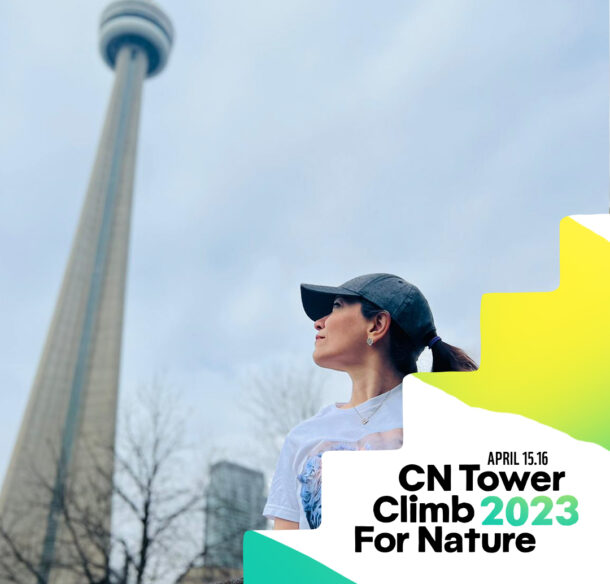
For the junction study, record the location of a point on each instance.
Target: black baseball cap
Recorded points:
(406, 304)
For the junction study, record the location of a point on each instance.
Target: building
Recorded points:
(234, 503)
(212, 575)
(68, 428)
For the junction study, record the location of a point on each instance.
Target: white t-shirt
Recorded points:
(295, 490)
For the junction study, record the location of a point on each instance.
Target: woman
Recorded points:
(373, 327)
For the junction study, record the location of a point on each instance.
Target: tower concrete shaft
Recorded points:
(66, 440)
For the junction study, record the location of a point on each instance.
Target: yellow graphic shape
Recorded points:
(546, 355)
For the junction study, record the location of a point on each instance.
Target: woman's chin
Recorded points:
(327, 362)
(320, 360)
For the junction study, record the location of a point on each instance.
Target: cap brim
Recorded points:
(318, 300)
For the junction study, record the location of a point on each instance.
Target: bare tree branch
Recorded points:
(275, 401)
(156, 507)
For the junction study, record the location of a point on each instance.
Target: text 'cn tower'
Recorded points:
(64, 450)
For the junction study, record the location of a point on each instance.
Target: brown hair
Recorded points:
(404, 352)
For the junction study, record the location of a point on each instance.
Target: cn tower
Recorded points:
(68, 428)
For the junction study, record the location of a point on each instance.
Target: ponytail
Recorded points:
(446, 357)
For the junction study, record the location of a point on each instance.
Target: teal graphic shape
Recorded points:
(268, 562)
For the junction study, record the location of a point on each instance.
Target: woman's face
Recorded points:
(341, 336)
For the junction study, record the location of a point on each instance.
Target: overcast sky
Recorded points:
(297, 141)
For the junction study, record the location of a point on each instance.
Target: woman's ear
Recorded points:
(380, 325)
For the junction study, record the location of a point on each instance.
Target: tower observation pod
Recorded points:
(136, 23)
(63, 454)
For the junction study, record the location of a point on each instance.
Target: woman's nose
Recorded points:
(319, 324)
